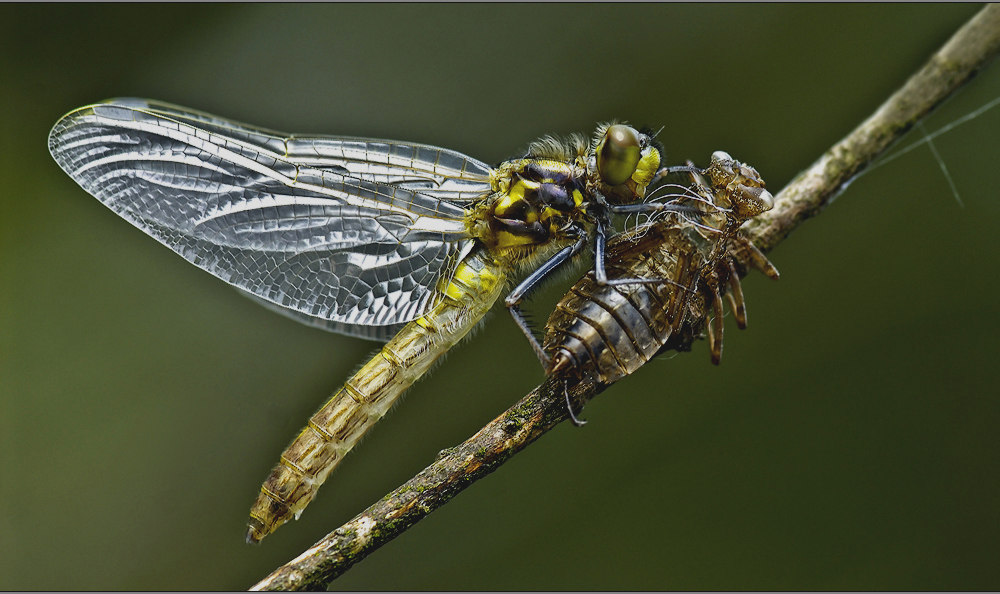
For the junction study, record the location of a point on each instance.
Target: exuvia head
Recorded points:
(740, 183)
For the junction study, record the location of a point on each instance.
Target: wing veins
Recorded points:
(235, 231)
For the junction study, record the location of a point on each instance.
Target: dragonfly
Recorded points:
(606, 330)
(377, 239)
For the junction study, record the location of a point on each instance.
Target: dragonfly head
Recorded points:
(626, 160)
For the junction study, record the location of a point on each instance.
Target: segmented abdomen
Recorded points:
(336, 428)
(609, 331)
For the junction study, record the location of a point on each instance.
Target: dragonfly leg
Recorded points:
(599, 246)
(601, 273)
(525, 327)
(569, 407)
(650, 208)
(665, 171)
(514, 299)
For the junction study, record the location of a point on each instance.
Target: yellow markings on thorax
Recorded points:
(513, 198)
(550, 212)
(553, 165)
(506, 239)
(504, 175)
(516, 199)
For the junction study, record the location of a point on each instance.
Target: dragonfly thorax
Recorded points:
(548, 195)
(534, 201)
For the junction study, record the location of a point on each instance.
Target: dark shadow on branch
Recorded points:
(970, 50)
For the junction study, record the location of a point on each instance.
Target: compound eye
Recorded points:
(618, 154)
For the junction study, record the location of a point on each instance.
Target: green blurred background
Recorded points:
(848, 440)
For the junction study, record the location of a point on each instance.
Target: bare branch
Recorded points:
(970, 50)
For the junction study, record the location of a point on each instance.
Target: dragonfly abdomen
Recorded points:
(337, 427)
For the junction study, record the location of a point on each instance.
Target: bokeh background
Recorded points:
(849, 440)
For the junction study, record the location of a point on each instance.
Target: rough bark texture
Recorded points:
(970, 50)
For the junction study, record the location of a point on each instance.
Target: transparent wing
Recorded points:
(376, 333)
(304, 223)
(433, 171)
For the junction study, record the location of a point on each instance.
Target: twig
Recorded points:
(970, 50)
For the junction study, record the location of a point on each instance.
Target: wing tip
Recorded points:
(114, 108)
